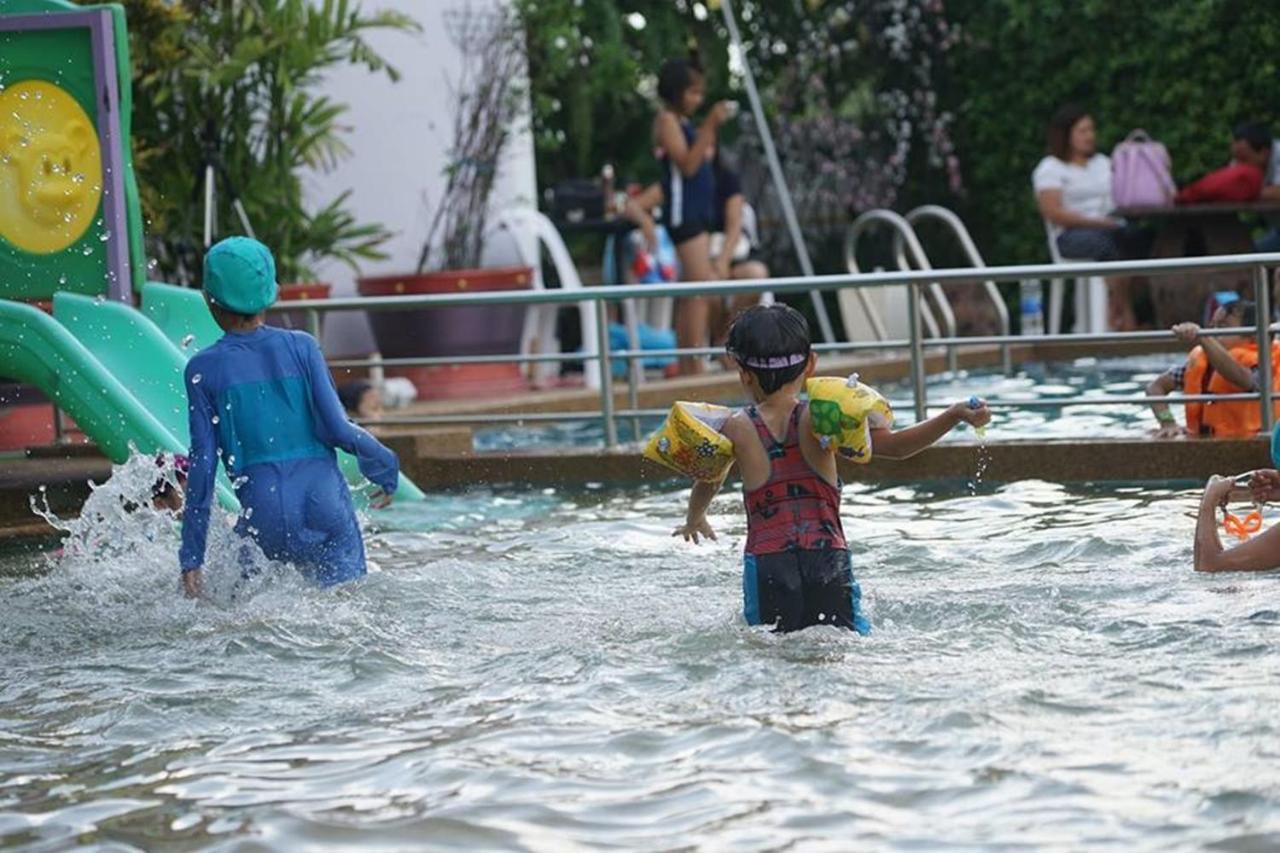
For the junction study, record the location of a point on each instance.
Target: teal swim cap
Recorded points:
(240, 275)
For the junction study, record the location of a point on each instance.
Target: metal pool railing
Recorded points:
(916, 343)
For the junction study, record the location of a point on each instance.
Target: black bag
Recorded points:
(575, 200)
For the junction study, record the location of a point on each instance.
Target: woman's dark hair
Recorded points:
(675, 76)
(770, 333)
(1058, 135)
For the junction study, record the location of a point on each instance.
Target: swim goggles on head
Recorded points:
(772, 362)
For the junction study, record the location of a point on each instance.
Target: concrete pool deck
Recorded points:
(435, 466)
(1057, 460)
(442, 457)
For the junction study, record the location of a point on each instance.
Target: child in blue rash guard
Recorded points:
(263, 401)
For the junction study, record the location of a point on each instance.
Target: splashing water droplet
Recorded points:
(195, 380)
(215, 420)
(186, 342)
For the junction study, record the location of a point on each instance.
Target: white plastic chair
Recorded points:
(1091, 295)
(540, 320)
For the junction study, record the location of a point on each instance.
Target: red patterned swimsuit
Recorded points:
(797, 569)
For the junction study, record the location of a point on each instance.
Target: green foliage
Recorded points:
(1184, 70)
(593, 73)
(848, 88)
(250, 70)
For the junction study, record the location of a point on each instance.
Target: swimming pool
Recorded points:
(1082, 380)
(548, 670)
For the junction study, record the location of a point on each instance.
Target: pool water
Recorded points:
(548, 671)
(1082, 381)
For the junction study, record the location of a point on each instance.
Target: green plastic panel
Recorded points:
(57, 217)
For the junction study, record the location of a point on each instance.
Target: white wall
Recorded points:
(399, 136)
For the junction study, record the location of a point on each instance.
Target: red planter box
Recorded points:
(459, 331)
(301, 292)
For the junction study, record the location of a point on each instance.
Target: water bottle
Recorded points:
(1029, 295)
(975, 403)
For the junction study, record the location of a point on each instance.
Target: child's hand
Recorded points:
(974, 415)
(193, 583)
(379, 499)
(691, 530)
(1218, 489)
(1188, 333)
(1265, 484)
(1171, 431)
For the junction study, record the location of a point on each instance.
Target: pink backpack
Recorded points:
(1141, 173)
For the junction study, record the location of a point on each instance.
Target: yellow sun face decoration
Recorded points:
(50, 168)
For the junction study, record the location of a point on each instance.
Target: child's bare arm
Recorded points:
(904, 443)
(695, 521)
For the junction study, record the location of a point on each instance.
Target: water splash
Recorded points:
(124, 546)
(984, 453)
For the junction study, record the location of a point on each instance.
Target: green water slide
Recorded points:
(137, 354)
(37, 349)
(181, 316)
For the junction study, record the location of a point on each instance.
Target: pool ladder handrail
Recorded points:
(907, 234)
(956, 226)
(907, 249)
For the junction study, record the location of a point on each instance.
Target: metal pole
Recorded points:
(59, 426)
(1262, 301)
(208, 205)
(775, 169)
(917, 353)
(313, 323)
(606, 375)
(635, 366)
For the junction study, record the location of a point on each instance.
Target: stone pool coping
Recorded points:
(433, 467)
(1056, 460)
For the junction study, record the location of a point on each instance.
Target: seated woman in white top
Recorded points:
(1073, 192)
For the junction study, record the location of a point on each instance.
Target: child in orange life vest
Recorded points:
(797, 567)
(1217, 365)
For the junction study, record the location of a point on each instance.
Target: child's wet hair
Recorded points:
(675, 76)
(1246, 310)
(772, 343)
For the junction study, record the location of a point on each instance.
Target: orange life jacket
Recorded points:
(1230, 418)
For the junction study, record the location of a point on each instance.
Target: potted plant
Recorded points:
(488, 100)
(237, 83)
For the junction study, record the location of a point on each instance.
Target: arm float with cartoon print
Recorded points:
(843, 413)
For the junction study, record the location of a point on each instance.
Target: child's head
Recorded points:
(239, 282)
(361, 399)
(167, 491)
(1233, 313)
(681, 85)
(770, 343)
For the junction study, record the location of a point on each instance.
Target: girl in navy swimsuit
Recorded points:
(685, 154)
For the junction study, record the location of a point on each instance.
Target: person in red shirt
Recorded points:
(1242, 179)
